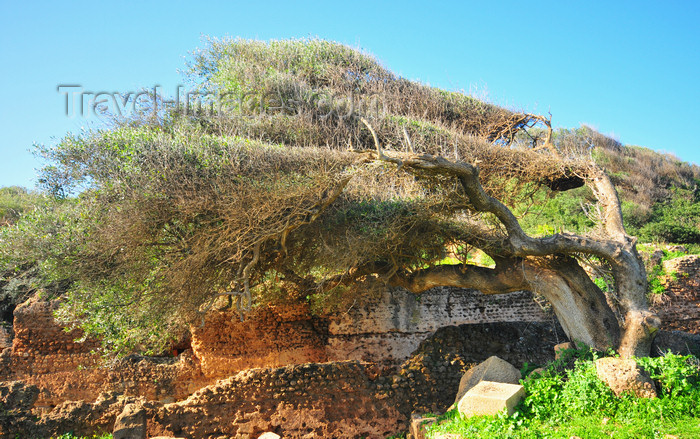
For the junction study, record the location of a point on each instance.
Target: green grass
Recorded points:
(568, 399)
(657, 275)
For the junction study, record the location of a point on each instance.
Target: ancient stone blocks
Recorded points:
(489, 398)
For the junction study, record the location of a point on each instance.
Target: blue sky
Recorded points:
(627, 68)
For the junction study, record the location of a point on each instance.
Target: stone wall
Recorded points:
(389, 329)
(347, 399)
(273, 336)
(44, 354)
(206, 393)
(679, 307)
(385, 332)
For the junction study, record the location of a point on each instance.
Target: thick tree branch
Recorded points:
(505, 278)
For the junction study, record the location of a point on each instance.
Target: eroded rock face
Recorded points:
(16, 395)
(79, 417)
(624, 376)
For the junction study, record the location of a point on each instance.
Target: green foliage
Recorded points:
(561, 403)
(657, 277)
(676, 220)
(34, 247)
(677, 375)
(15, 201)
(154, 220)
(163, 217)
(549, 213)
(602, 284)
(658, 192)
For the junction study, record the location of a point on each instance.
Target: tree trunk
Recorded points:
(578, 303)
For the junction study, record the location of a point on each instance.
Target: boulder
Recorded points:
(269, 435)
(624, 375)
(492, 369)
(490, 398)
(131, 423)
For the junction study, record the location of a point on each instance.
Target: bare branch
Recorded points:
(409, 144)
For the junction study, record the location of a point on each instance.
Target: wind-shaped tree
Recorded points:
(307, 171)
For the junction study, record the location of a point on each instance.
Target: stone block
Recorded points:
(492, 369)
(489, 398)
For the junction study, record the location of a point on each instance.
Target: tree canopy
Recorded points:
(306, 171)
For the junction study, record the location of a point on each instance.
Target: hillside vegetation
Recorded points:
(659, 192)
